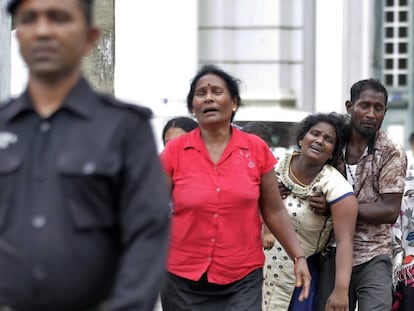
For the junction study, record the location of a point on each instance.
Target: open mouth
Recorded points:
(317, 149)
(369, 124)
(209, 110)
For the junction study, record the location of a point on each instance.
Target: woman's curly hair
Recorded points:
(339, 121)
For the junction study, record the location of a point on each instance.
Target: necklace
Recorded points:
(350, 173)
(295, 178)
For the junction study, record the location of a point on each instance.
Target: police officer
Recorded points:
(83, 206)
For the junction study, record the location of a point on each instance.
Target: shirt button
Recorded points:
(39, 272)
(215, 215)
(218, 189)
(209, 258)
(44, 126)
(39, 221)
(88, 168)
(213, 240)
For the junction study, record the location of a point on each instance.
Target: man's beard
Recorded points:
(366, 132)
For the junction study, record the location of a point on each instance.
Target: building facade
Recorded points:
(296, 55)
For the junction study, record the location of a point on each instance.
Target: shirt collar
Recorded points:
(78, 101)
(18, 106)
(194, 140)
(365, 153)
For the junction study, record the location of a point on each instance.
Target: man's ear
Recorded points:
(348, 106)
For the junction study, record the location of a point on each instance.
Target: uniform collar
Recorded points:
(79, 101)
(18, 106)
(81, 98)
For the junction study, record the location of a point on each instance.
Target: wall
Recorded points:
(5, 38)
(99, 66)
(260, 42)
(156, 55)
(329, 50)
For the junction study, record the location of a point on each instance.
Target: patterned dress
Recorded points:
(312, 230)
(403, 247)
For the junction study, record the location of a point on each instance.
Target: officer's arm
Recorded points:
(144, 224)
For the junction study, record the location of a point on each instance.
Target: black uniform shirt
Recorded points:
(83, 205)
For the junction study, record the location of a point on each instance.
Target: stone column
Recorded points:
(99, 66)
(5, 39)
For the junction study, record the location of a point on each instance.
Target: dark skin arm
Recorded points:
(268, 239)
(277, 219)
(385, 211)
(169, 182)
(344, 216)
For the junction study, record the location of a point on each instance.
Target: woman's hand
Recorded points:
(337, 301)
(303, 278)
(268, 239)
(284, 192)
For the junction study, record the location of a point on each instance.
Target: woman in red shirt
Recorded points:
(219, 177)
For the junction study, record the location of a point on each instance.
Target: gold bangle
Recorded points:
(295, 260)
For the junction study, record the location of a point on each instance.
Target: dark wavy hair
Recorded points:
(232, 83)
(338, 121)
(184, 123)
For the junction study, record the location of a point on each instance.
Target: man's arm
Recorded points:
(144, 223)
(385, 211)
(391, 188)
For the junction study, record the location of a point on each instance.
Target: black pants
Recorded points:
(179, 294)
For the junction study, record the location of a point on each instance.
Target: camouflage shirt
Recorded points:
(380, 170)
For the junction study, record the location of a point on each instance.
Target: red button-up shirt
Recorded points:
(215, 224)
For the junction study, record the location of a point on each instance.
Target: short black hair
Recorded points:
(338, 121)
(233, 85)
(87, 5)
(367, 84)
(260, 130)
(184, 123)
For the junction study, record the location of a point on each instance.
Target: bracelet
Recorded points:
(295, 260)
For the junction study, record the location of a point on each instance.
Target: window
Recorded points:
(396, 36)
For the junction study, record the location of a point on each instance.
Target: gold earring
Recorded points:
(234, 109)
